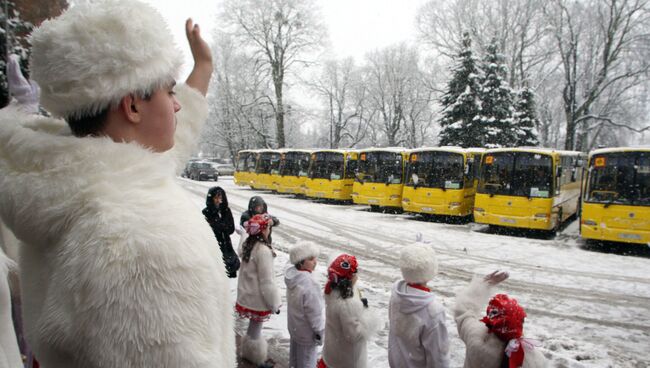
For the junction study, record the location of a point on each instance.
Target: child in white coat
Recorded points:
(257, 294)
(348, 321)
(418, 335)
(305, 304)
(495, 340)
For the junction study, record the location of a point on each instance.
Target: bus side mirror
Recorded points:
(574, 171)
(580, 163)
(558, 173)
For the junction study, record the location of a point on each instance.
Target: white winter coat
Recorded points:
(256, 287)
(118, 267)
(483, 349)
(9, 351)
(305, 306)
(348, 326)
(418, 335)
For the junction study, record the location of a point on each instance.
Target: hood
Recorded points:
(293, 277)
(254, 202)
(45, 172)
(209, 203)
(411, 300)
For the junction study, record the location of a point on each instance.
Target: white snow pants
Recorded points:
(301, 356)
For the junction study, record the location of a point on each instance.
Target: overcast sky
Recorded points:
(355, 26)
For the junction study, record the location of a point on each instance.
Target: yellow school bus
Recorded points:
(616, 200)
(267, 165)
(245, 167)
(441, 181)
(379, 179)
(294, 169)
(531, 188)
(331, 174)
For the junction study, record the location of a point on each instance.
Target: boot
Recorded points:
(255, 351)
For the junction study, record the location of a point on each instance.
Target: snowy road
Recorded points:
(590, 309)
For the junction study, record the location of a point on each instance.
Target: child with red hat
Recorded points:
(257, 294)
(496, 338)
(348, 321)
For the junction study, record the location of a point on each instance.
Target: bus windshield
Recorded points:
(380, 167)
(269, 163)
(326, 165)
(246, 162)
(295, 164)
(522, 174)
(620, 178)
(436, 170)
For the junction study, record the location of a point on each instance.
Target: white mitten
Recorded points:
(27, 93)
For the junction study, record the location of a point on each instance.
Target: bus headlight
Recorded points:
(541, 215)
(405, 200)
(478, 209)
(589, 222)
(454, 204)
(394, 196)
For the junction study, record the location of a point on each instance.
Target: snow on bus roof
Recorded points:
(535, 150)
(619, 149)
(444, 149)
(384, 149)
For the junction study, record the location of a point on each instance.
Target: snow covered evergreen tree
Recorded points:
(18, 42)
(525, 118)
(496, 98)
(461, 103)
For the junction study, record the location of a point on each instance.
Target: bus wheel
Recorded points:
(374, 208)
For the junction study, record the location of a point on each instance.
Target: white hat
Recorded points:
(94, 54)
(302, 251)
(418, 263)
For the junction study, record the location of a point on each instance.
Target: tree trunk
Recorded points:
(279, 115)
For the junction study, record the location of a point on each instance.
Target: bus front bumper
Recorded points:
(532, 222)
(444, 209)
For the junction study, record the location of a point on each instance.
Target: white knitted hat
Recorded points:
(418, 263)
(302, 251)
(94, 54)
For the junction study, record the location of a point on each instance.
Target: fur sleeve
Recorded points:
(468, 309)
(266, 277)
(190, 120)
(358, 322)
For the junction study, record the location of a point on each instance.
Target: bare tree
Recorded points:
(597, 42)
(279, 33)
(392, 72)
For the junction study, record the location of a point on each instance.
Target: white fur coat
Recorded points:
(9, 352)
(256, 285)
(118, 267)
(483, 349)
(348, 327)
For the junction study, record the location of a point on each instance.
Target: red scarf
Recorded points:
(419, 287)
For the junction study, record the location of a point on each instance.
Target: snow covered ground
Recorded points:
(588, 308)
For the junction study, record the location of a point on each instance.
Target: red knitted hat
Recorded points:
(343, 267)
(505, 317)
(257, 224)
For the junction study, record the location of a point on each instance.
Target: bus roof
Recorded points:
(454, 149)
(619, 149)
(535, 150)
(287, 150)
(385, 149)
(342, 151)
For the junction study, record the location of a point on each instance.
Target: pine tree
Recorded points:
(18, 44)
(496, 98)
(525, 118)
(461, 104)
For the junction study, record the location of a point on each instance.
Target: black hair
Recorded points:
(249, 244)
(344, 286)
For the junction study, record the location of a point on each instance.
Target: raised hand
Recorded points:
(199, 78)
(496, 277)
(27, 93)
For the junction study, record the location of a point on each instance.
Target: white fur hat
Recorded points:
(302, 251)
(94, 54)
(418, 263)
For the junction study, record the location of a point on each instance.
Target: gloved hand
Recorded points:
(365, 302)
(318, 338)
(277, 311)
(27, 93)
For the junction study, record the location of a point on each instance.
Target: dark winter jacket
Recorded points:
(222, 224)
(254, 202)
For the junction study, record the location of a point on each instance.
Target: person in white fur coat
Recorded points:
(349, 323)
(305, 319)
(494, 339)
(257, 294)
(417, 335)
(117, 267)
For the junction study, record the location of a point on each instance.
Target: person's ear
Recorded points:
(130, 106)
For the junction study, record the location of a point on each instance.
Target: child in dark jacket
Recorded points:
(218, 215)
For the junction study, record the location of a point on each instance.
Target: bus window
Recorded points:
(619, 178)
(295, 164)
(351, 168)
(380, 167)
(518, 174)
(326, 165)
(437, 170)
(274, 165)
(249, 162)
